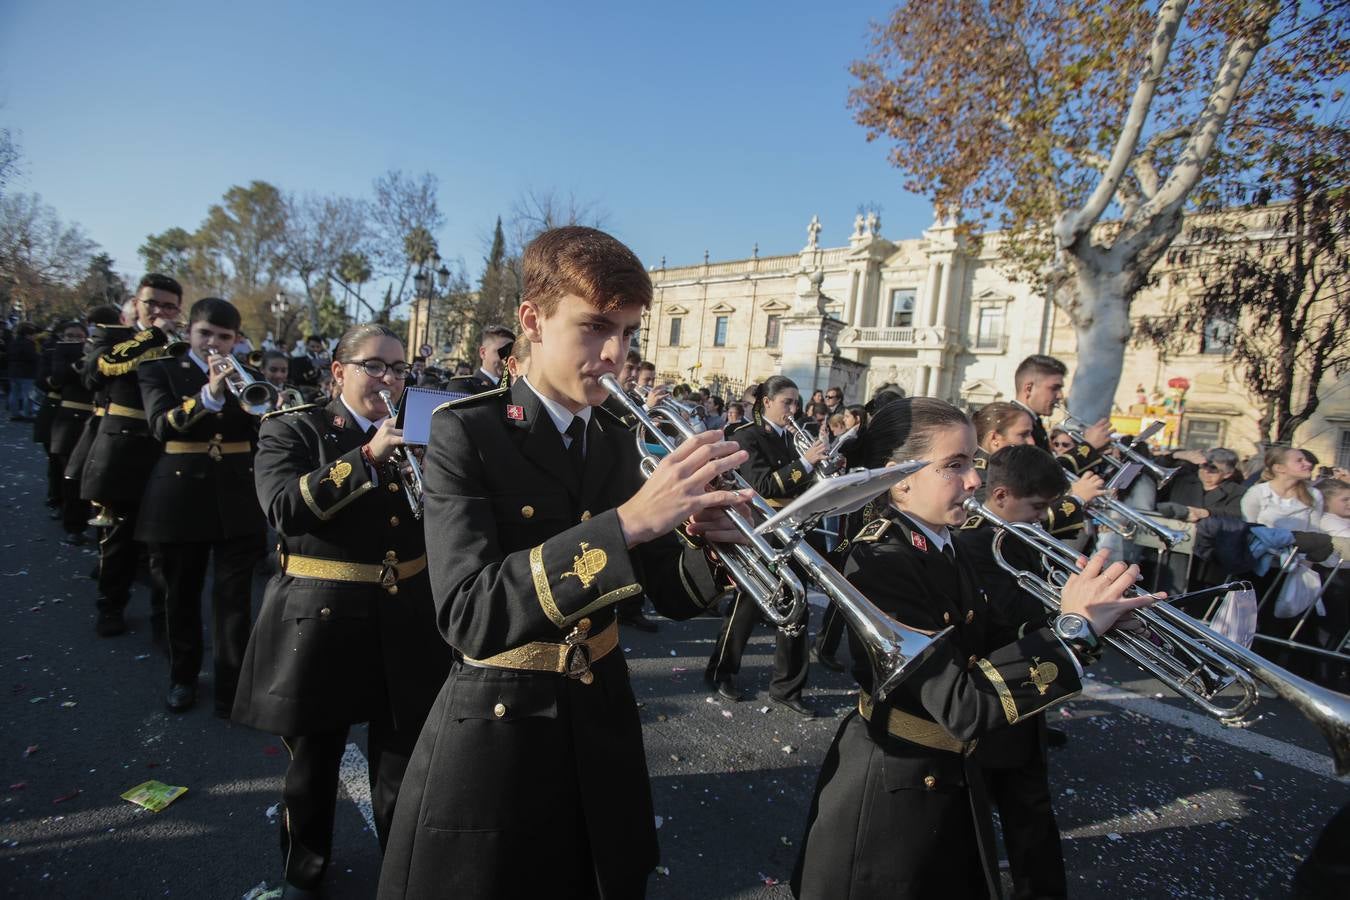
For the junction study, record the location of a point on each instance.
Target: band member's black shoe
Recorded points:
(110, 624)
(796, 706)
(181, 697)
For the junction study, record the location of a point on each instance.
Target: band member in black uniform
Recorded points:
(999, 425)
(75, 406)
(899, 810)
(494, 345)
(304, 369)
(1039, 382)
(99, 318)
(199, 505)
(47, 344)
(347, 631)
(529, 777)
(123, 452)
(776, 471)
(1023, 483)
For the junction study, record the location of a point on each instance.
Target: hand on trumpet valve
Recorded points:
(656, 395)
(385, 441)
(681, 488)
(1088, 487)
(1097, 592)
(1098, 434)
(816, 452)
(217, 375)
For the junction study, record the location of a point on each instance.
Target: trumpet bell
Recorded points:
(102, 518)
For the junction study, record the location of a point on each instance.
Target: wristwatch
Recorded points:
(1075, 631)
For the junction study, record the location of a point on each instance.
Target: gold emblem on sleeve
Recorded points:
(1042, 674)
(586, 566)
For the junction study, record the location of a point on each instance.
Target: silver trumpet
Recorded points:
(409, 471)
(802, 441)
(1185, 654)
(1124, 444)
(761, 569)
(1127, 521)
(256, 397)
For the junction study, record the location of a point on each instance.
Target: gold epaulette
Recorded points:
(465, 401)
(972, 522)
(872, 531)
(289, 409)
(981, 463)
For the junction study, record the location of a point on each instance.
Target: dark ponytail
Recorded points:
(771, 387)
(903, 429)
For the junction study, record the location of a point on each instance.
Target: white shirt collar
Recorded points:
(940, 539)
(201, 363)
(779, 430)
(1034, 415)
(561, 415)
(493, 378)
(360, 419)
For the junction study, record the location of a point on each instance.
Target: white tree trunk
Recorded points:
(1102, 326)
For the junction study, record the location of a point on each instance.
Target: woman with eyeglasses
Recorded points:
(347, 630)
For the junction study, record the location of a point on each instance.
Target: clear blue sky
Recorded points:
(695, 125)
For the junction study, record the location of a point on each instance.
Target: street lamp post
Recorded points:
(280, 306)
(430, 281)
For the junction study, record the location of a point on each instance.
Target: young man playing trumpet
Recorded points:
(529, 777)
(200, 505)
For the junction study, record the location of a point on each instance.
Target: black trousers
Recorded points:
(74, 511)
(789, 655)
(309, 794)
(831, 631)
(119, 555)
(1030, 833)
(56, 474)
(231, 606)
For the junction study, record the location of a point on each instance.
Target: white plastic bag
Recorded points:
(1299, 591)
(1235, 618)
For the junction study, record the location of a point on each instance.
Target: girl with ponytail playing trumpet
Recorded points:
(899, 809)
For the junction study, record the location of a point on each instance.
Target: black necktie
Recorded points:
(948, 552)
(370, 433)
(576, 450)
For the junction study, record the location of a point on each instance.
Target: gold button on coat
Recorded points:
(393, 520)
(929, 782)
(527, 511)
(499, 710)
(585, 516)
(946, 618)
(971, 663)
(325, 613)
(970, 616)
(393, 486)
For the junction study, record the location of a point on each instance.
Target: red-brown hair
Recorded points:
(586, 262)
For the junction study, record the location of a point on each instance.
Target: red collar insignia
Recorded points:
(919, 541)
(515, 412)
(339, 421)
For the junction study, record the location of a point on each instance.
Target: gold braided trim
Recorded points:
(541, 588)
(126, 412)
(914, 729)
(205, 447)
(604, 600)
(308, 497)
(543, 656)
(1004, 695)
(101, 411)
(71, 404)
(53, 395)
(338, 570)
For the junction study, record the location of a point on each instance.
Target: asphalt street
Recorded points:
(1152, 800)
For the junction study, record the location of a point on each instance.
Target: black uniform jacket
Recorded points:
(774, 469)
(123, 452)
(895, 817)
(206, 494)
(477, 383)
(1079, 460)
(1064, 518)
(51, 399)
(75, 405)
(1018, 611)
(325, 653)
(522, 779)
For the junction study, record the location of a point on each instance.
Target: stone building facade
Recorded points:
(934, 316)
